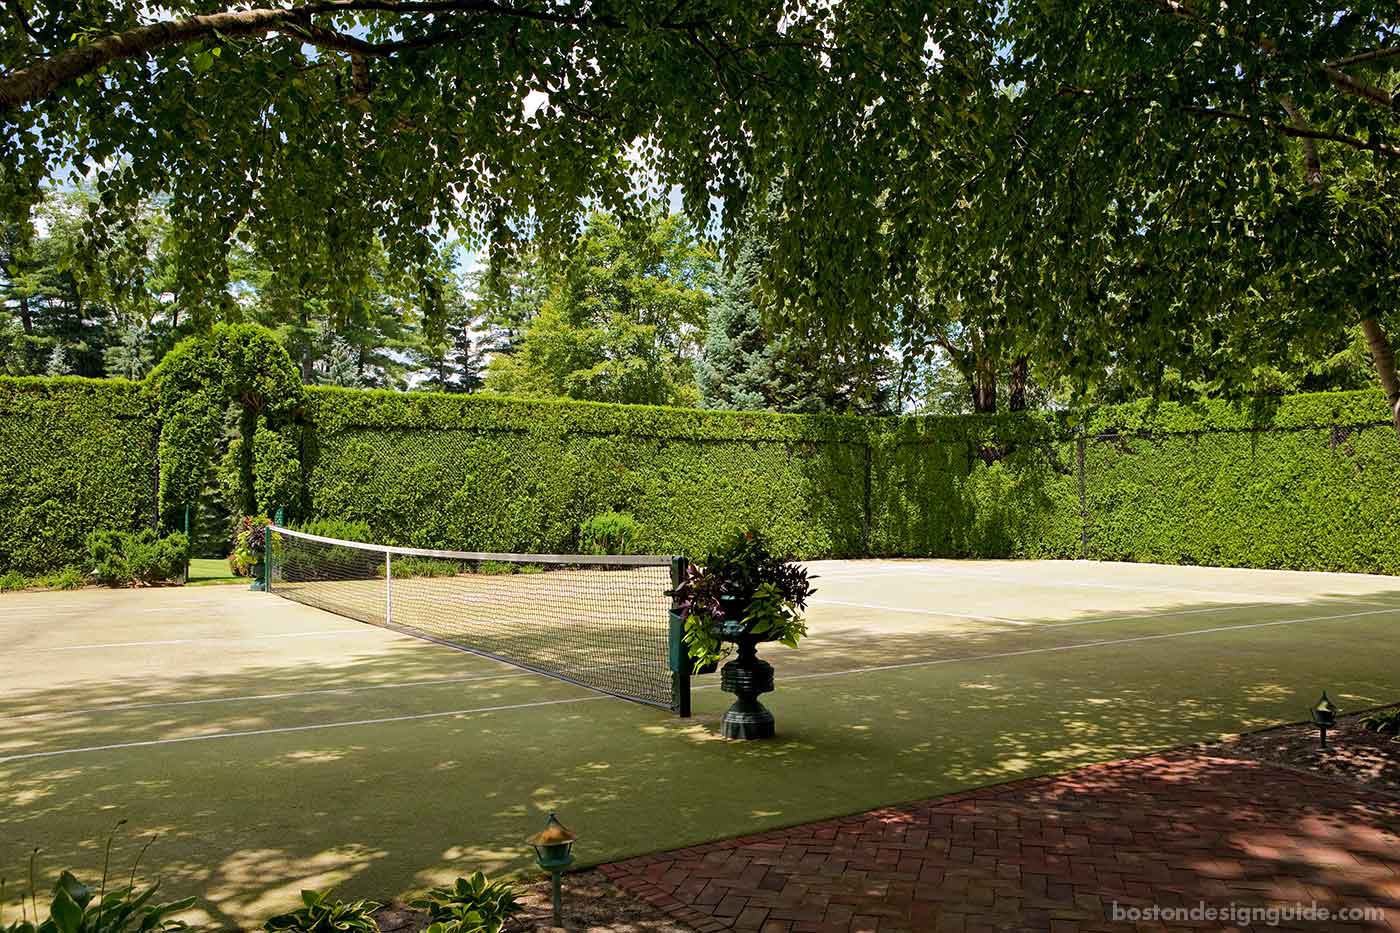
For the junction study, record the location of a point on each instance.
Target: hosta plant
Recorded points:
(319, 913)
(1386, 721)
(471, 904)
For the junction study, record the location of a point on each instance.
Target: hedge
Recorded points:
(1308, 483)
(521, 475)
(1301, 482)
(75, 455)
(977, 486)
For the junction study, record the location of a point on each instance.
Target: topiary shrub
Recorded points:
(608, 533)
(137, 558)
(193, 387)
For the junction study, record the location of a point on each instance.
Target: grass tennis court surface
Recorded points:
(275, 746)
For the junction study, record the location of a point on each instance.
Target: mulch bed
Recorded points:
(1353, 754)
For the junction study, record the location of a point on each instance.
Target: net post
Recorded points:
(388, 587)
(680, 656)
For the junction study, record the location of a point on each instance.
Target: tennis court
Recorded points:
(276, 746)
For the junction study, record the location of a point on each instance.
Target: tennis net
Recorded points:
(600, 622)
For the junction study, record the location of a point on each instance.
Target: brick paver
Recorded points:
(1177, 830)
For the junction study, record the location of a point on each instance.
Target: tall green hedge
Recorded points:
(1308, 483)
(984, 486)
(75, 455)
(1301, 482)
(516, 475)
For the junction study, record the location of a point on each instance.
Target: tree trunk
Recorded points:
(984, 386)
(1384, 356)
(26, 317)
(247, 428)
(1016, 394)
(308, 371)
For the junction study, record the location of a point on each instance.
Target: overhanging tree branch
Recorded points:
(1339, 79)
(40, 80)
(1299, 132)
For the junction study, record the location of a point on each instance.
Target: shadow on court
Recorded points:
(379, 764)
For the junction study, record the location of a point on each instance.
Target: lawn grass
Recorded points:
(205, 571)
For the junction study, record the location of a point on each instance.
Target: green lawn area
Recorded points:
(208, 570)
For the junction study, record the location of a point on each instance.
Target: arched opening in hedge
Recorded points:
(239, 368)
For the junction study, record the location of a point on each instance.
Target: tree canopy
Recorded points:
(1127, 191)
(620, 320)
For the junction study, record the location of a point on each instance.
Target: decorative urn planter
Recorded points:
(747, 677)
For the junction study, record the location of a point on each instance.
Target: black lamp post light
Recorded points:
(554, 852)
(1324, 714)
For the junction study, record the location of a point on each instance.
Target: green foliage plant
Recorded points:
(137, 558)
(1386, 722)
(249, 542)
(471, 904)
(320, 913)
(242, 365)
(741, 588)
(609, 533)
(78, 908)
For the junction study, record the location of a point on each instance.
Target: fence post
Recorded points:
(1080, 444)
(865, 515)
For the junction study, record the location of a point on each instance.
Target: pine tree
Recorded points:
(743, 364)
(340, 366)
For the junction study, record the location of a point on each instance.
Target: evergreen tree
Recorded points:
(747, 364)
(736, 369)
(58, 364)
(339, 366)
(132, 357)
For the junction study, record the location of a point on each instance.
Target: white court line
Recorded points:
(822, 601)
(1088, 644)
(148, 743)
(1070, 584)
(188, 641)
(1095, 620)
(253, 697)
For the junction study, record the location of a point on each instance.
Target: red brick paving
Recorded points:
(1052, 854)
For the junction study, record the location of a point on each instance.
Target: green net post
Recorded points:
(680, 656)
(188, 543)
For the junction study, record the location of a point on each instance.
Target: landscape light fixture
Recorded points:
(554, 851)
(1324, 714)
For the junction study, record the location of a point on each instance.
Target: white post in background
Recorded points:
(388, 588)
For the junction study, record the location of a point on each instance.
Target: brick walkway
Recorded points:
(1053, 854)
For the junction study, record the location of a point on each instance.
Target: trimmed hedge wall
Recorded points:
(520, 475)
(985, 486)
(75, 455)
(1306, 482)
(1204, 484)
